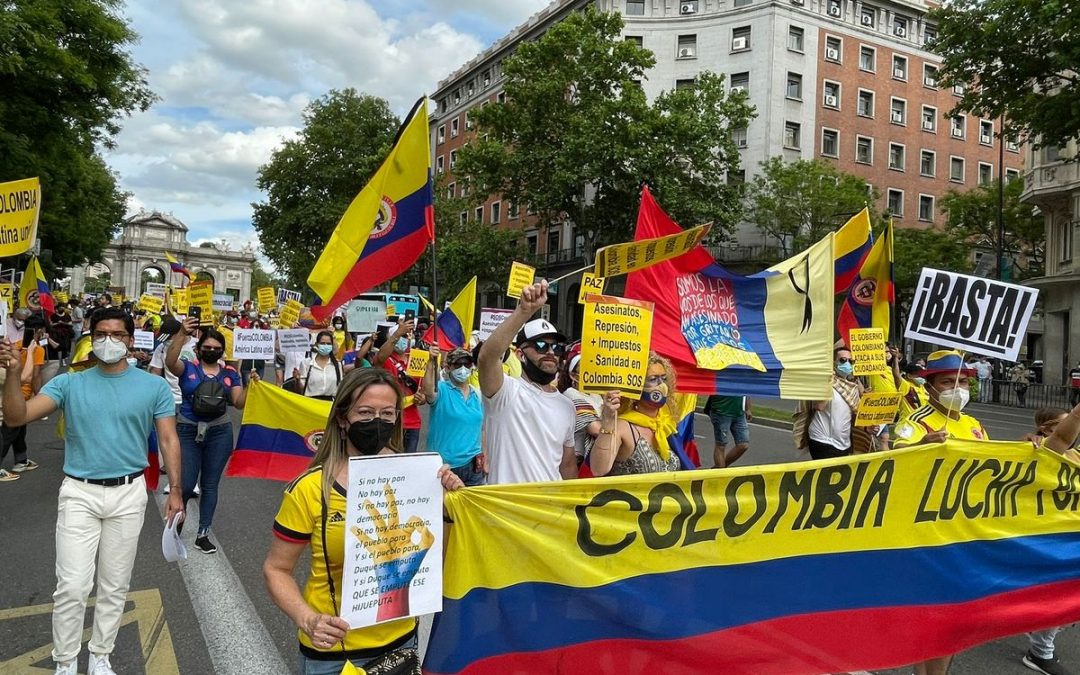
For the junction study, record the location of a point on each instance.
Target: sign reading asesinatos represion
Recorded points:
(615, 345)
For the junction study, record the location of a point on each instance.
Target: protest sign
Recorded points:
(227, 333)
(521, 275)
(201, 294)
(611, 261)
(7, 294)
(294, 339)
(393, 539)
(267, 299)
(253, 343)
(877, 407)
(289, 314)
(222, 302)
(20, 206)
(418, 361)
(62, 297)
(284, 295)
(151, 304)
(3, 312)
(144, 340)
(391, 309)
(615, 345)
(867, 347)
(363, 316)
(180, 300)
(155, 289)
(490, 319)
(971, 313)
(590, 284)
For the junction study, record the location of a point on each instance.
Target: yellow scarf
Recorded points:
(662, 426)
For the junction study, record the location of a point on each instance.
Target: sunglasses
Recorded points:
(844, 359)
(460, 362)
(545, 345)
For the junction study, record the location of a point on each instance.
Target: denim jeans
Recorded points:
(1042, 642)
(313, 667)
(469, 475)
(202, 463)
(411, 439)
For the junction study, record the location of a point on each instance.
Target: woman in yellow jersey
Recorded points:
(364, 420)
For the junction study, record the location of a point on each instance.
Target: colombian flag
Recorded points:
(176, 267)
(850, 247)
(869, 300)
(457, 321)
(386, 227)
(279, 434)
(34, 291)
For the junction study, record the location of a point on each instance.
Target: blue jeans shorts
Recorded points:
(735, 423)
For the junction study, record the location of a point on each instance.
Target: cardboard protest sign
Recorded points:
(363, 316)
(143, 340)
(201, 294)
(223, 302)
(877, 407)
(418, 362)
(252, 343)
(284, 295)
(227, 333)
(868, 351)
(180, 300)
(294, 339)
(289, 314)
(615, 345)
(973, 314)
(393, 539)
(157, 289)
(590, 285)
(521, 275)
(490, 319)
(20, 206)
(7, 294)
(611, 261)
(266, 298)
(151, 304)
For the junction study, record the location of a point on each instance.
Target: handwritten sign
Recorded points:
(20, 206)
(418, 363)
(290, 314)
(253, 343)
(490, 319)
(877, 407)
(143, 340)
(284, 295)
(267, 299)
(868, 351)
(619, 259)
(363, 316)
(201, 294)
(615, 345)
(180, 300)
(590, 285)
(294, 340)
(223, 302)
(157, 289)
(521, 276)
(151, 304)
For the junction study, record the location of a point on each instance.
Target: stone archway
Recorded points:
(203, 275)
(151, 274)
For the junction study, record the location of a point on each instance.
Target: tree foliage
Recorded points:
(914, 249)
(311, 180)
(972, 219)
(67, 80)
(1018, 60)
(798, 203)
(576, 136)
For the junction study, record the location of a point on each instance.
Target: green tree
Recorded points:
(576, 136)
(311, 180)
(798, 203)
(1017, 60)
(261, 277)
(914, 249)
(67, 79)
(466, 246)
(972, 218)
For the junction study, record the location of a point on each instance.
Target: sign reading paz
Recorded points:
(877, 407)
(970, 313)
(521, 275)
(868, 351)
(590, 284)
(615, 345)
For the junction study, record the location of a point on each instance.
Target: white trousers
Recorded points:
(94, 524)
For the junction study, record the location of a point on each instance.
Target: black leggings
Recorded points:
(825, 451)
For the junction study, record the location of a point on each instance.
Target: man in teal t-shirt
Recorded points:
(109, 411)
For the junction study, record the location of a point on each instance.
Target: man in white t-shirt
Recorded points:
(528, 424)
(830, 426)
(984, 370)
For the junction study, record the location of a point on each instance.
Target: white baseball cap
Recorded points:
(538, 328)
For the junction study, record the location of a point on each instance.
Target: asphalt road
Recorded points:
(211, 614)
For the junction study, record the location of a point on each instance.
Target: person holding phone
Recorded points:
(394, 356)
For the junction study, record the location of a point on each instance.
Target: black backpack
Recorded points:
(209, 400)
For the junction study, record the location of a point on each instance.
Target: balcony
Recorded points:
(737, 254)
(1048, 185)
(562, 257)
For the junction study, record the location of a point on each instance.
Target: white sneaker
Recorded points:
(99, 665)
(165, 491)
(69, 668)
(198, 490)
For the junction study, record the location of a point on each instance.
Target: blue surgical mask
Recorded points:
(845, 369)
(401, 346)
(461, 374)
(324, 350)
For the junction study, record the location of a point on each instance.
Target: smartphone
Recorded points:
(195, 312)
(410, 315)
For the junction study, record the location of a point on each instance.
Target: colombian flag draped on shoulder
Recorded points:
(869, 300)
(279, 434)
(386, 227)
(768, 334)
(796, 569)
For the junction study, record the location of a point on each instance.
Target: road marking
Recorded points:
(159, 657)
(236, 639)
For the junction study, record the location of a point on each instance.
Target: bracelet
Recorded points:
(608, 432)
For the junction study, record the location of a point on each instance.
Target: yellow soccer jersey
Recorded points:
(927, 419)
(299, 520)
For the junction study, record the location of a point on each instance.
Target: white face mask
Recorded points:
(461, 374)
(109, 350)
(954, 399)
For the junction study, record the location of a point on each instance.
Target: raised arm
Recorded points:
(404, 328)
(176, 345)
(489, 362)
(17, 410)
(431, 375)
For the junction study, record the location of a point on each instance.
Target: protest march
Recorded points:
(462, 482)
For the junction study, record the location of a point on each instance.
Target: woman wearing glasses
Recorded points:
(365, 419)
(634, 435)
(203, 424)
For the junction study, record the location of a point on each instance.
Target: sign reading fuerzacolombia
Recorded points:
(20, 206)
(971, 313)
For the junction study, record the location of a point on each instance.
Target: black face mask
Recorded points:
(535, 374)
(210, 355)
(370, 437)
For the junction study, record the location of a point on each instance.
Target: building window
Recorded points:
(929, 76)
(900, 27)
(738, 136)
(958, 90)
(868, 16)
(439, 164)
(463, 217)
(468, 122)
(956, 126)
(635, 7)
(742, 3)
(740, 38)
(530, 244)
(926, 208)
(685, 84)
(501, 97)
(896, 203)
(687, 46)
(453, 158)
(1051, 154)
(956, 169)
(479, 214)
(831, 95)
(864, 150)
(866, 103)
(740, 82)
(736, 177)
(791, 135)
(454, 130)
(795, 38)
(834, 49)
(898, 111)
(442, 105)
(487, 77)
(1011, 175)
(896, 156)
(867, 56)
(688, 7)
(830, 143)
(457, 96)
(835, 11)
(899, 67)
(986, 173)
(1012, 146)
(513, 212)
(451, 190)
(440, 135)
(929, 118)
(794, 86)
(928, 163)
(986, 132)
(553, 241)
(636, 39)
(1064, 232)
(929, 34)
(496, 213)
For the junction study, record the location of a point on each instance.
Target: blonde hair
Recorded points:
(655, 359)
(332, 454)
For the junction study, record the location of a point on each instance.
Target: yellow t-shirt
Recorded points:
(299, 521)
(927, 419)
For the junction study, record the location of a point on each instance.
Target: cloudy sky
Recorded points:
(234, 76)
